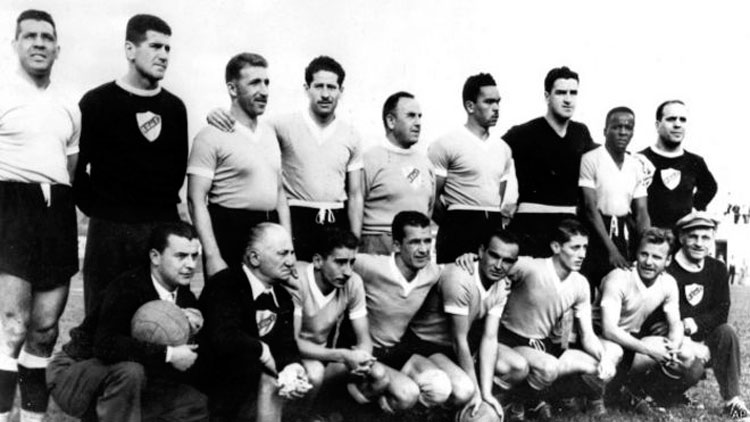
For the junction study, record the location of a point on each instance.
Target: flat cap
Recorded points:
(697, 219)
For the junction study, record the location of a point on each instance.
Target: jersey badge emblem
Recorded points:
(671, 178)
(149, 125)
(265, 320)
(413, 176)
(694, 294)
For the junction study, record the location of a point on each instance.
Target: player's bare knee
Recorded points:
(434, 387)
(545, 373)
(462, 390)
(519, 370)
(315, 372)
(378, 374)
(41, 340)
(15, 326)
(403, 394)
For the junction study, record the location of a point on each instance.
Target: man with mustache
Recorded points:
(134, 149)
(39, 129)
(547, 157)
(472, 168)
(543, 291)
(398, 176)
(105, 374)
(678, 181)
(234, 178)
(612, 184)
(250, 362)
(321, 159)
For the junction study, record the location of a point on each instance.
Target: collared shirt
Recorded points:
(257, 286)
(164, 294)
(687, 264)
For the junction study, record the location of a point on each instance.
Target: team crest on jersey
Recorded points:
(265, 320)
(413, 176)
(671, 178)
(694, 294)
(149, 125)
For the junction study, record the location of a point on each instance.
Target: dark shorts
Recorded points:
(463, 231)
(231, 228)
(410, 345)
(38, 243)
(511, 339)
(308, 227)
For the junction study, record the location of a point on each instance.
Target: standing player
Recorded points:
(326, 190)
(471, 169)
(704, 306)
(547, 156)
(39, 130)
(629, 297)
(105, 374)
(612, 185)
(324, 291)
(397, 176)
(679, 181)
(544, 289)
(133, 157)
(462, 299)
(396, 287)
(239, 172)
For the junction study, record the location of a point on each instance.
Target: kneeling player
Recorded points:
(628, 298)
(324, 290)
(543, 290)
(396, 286)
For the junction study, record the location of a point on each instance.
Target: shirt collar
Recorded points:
(138, 91)
(406, 285)
(668, 154)
(163, 293)
(686, 264)
(257, 286)
(319, 133)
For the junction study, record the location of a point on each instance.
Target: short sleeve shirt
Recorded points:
(538, 298)
(244, 166)
(39, 128)
(473, 169)
(615, 187)
(320, 313)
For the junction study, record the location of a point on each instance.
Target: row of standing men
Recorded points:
(305, 171)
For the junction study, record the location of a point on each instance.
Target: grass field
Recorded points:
(705, 392)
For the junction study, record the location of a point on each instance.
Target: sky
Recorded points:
(634, 53)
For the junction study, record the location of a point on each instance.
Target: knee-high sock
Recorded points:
(32, 382)
(8, 379)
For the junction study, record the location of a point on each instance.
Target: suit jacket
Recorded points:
(230, 331)
(105, 333)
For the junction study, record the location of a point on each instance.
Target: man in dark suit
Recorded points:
(105, 373)
(248, 352)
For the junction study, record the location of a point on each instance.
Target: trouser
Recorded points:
(231, 228)
(535, 231)
(724, 346)
(120, 392)
(112, 247)
(462, 231)
(376, 243)
(308, 227)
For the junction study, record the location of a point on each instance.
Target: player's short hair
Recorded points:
(474, 84)
(620, 109)
(563, 72)
(334, 238)
(568, 228)
(138, 25)
(392, 102)
(324, 63)
(660, 109)
(241, 61)
(407, 218)
(159, 238)
(658, 236)
(505, 236)
(35, 15)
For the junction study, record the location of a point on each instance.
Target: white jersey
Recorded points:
(615, 187)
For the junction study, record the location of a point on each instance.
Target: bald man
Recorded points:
(248, 336)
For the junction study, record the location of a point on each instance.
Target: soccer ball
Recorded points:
(160, 322)
(485, 413)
